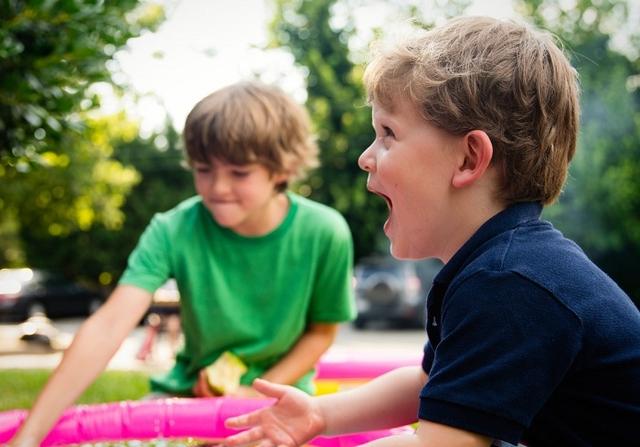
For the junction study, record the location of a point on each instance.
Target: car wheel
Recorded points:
(36, 308)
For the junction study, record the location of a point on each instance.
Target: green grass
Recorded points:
(20, 387)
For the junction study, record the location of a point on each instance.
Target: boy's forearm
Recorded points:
(94, 344)
(81, 364)
(304, 355)
(431, 434)
(388, 401)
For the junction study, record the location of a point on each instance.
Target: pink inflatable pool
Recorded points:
(175, 418)
(180, 418)
(349, 366)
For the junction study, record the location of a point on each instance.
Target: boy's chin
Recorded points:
(405, 254)
(399, 254)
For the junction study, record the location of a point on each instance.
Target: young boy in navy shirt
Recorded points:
(529, 342)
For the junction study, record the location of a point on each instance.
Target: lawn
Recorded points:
(20, 387)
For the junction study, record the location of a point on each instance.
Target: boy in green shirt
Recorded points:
(263, 273)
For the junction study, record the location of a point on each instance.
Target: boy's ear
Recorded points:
(474, 160)
(281, 177)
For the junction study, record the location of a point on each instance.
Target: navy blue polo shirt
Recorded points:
(530, 342)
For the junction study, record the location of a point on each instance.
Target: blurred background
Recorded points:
(93, 96)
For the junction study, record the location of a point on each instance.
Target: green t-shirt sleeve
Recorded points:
(332, 299)
(148, 266)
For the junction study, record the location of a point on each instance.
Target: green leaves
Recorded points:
(600, 207)
(57, 166)
(50, 54)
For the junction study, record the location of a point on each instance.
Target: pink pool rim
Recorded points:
(182, 418)
(175, 418)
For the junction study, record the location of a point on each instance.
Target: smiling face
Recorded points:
(411, 164)
(242, 198)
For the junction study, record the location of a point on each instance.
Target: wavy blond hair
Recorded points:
(499, 76)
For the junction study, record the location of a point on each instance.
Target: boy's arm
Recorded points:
(390, 400)
(95, 343)
(304, 354)
(295, 364)
(432, 434)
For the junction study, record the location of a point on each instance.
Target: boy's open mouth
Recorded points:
(386, 199)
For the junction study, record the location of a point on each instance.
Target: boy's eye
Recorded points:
(240, 173)
(388, 132)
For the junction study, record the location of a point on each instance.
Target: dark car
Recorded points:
(25, 292)
(393, 292)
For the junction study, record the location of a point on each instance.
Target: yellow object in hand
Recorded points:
(224, 374)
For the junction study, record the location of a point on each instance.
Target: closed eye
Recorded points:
(240, 173)
(202, 169)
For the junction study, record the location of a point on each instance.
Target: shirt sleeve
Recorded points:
(148, 266)
(505, 345)
(332, 296)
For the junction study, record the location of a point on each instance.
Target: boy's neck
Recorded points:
(471, 210)
(273, 214)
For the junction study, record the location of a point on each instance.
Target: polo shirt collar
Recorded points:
(509, 218)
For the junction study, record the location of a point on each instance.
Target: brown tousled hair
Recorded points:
(504, 78)
(250, 122)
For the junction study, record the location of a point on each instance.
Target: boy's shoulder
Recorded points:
(189, 207)
(310, 209)
(542, 257)
(318, 216)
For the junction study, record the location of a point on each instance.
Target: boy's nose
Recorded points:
(219, 185)
(366, 160)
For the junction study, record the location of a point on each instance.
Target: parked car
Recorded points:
(25, 292)
(392, 291)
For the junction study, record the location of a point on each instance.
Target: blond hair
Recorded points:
(498, 76)
(251, 122)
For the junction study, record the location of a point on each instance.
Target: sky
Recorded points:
(206, 44)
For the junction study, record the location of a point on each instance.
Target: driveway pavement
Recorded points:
(380, 344)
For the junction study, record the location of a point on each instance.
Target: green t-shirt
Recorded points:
(253, 296)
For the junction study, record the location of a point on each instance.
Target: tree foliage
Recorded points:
(57, 167)
(51, 52)
(99, 253)
(600, 207)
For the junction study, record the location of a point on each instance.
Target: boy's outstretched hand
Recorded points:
(293, 420)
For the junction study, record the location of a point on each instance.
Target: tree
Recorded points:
(51, 53)
(70, 192)
(600, 207)
(56, 161)
(99, 253)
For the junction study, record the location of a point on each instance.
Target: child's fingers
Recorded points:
(269, 389)
(244, 420)
(201, 387)
(248, 436)
(266, 443)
